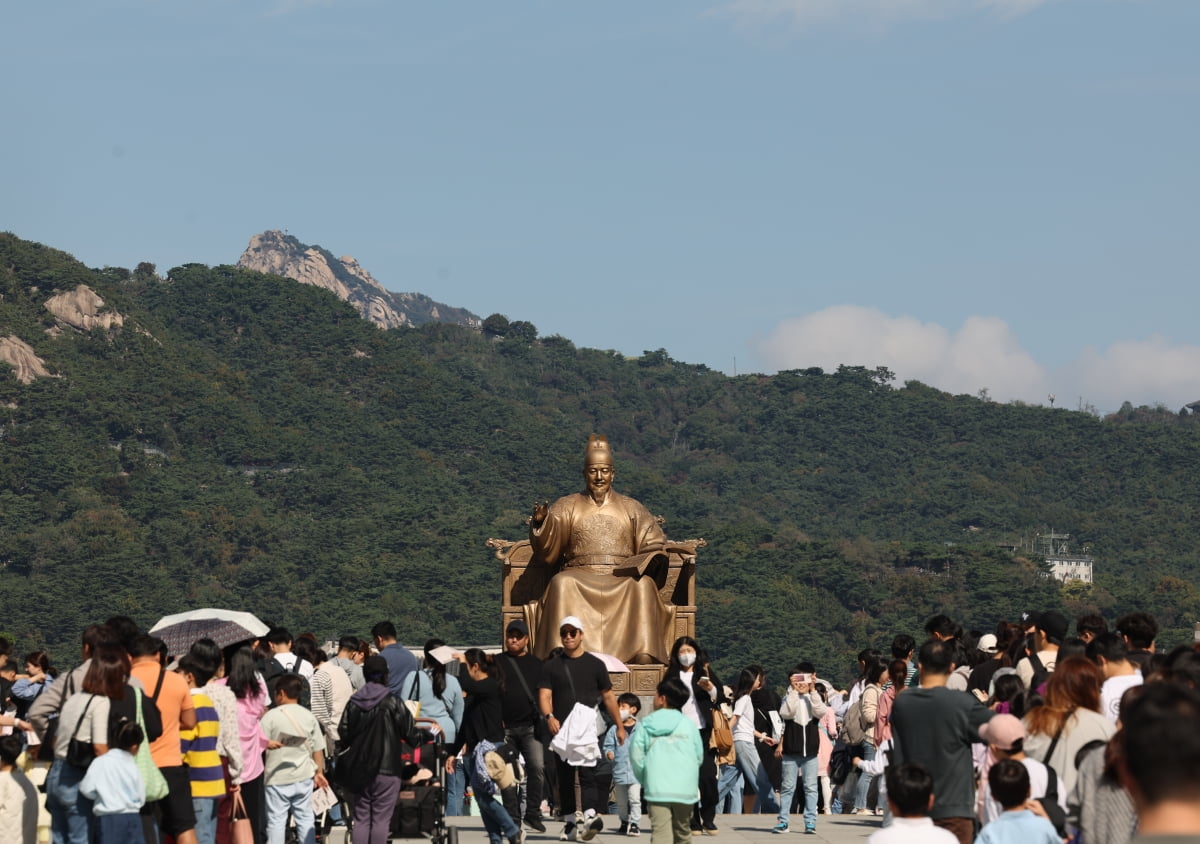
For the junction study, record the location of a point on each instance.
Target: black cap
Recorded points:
(519, 625)
(1054, 624)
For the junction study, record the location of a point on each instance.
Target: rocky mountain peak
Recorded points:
(281, 254)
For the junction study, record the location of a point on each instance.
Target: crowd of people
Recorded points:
(1026, 733)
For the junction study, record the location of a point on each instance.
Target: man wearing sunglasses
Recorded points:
(576, 682)
(524, 677)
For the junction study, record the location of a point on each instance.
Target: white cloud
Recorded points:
(984, 353)
(805, 14)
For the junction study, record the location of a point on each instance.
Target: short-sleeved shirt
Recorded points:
(93, 727)
(298, 730)
(587, 675)
(935, 728)
(519, 711)
(174, 698)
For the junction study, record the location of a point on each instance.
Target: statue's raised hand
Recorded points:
(540, 511)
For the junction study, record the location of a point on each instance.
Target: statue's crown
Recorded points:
(597, 450)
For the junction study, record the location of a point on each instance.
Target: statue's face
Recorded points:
(599, 477)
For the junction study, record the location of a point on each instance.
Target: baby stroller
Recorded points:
(420, 807)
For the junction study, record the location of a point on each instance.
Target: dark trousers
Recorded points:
(705, 812)
(535, 770)
(118, 829)
(566, 788)
(254, 795)
(373, 809)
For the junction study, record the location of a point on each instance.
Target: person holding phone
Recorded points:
(801, 711)
(689, 663)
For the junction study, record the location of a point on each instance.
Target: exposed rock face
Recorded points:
(19, 354)
(81, 308)
(280, 254)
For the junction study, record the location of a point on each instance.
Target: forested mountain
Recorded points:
(241, 440)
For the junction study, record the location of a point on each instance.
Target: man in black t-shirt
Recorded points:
(524, 676)
(577, 677)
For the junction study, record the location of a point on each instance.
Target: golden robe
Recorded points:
(609, 554)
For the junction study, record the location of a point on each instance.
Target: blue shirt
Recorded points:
(401, 663)
(113, 782)
(622, 769)
(1023, 827)
(447, 710)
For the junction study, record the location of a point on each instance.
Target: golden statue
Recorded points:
(610, 560)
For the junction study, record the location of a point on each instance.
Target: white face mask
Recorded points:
(624, 713)
(687, 660)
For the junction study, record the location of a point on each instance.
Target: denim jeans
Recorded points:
(533, 786)
(297, 797)
(70, 812)
(755, 776)
(206, 819)
(456, 788)
(496, 820)
(119, 829)
(805, 767)
(729, 790)
(864, 779)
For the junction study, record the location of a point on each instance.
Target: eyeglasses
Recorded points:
(569, 632)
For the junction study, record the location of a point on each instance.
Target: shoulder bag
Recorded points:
(81, 753)
(156, 783)
(413, 701)
(541, 730)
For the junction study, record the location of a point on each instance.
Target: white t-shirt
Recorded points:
(743, 728)
(1113, 689)
(912, 831)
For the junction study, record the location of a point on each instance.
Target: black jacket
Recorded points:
(372, 736)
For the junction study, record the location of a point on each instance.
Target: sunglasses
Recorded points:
(568, 632)
(515, 634)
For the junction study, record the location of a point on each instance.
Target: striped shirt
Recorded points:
(199, 747)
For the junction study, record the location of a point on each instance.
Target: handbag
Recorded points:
(414, 706)
(155, 782)
(721, 738)
(241, 831)
(81, 753)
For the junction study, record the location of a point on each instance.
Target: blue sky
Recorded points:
(999, 194)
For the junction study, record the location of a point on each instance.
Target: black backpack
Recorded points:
(274, 670)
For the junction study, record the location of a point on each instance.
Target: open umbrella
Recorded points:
(225, 627)
(614, 665)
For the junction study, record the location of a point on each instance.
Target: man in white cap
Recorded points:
(576, 682)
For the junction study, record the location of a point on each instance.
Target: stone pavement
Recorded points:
(734, 829)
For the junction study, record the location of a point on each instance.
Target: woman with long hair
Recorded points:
(441, 699)
(250, 695)
(875, 674)
(482, 730)
(1069, 719)
(84, 718)
(744, 736)
(689, 663)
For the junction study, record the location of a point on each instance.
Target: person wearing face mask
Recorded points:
(627, 789)
(689, 663)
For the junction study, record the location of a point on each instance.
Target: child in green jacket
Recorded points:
(666, 754)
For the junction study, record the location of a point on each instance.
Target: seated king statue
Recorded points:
(608, 551)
